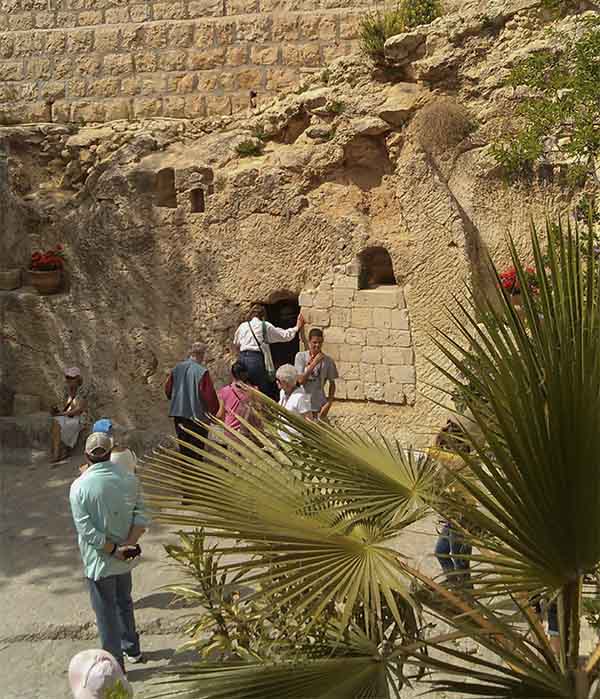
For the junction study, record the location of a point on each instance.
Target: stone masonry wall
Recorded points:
(99, 60)
(367, 333)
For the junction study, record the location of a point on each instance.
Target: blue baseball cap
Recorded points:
(103, 425)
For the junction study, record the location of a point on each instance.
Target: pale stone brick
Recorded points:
(195, 106)
(254, 29)
(382, 318)
(175, 9)
(367, 372)
(45, 20)
(139, 13)
(88, 65)
(147, 107)
(11, 70)
(343, 281)
(242, 7)
(374, 391)
(349, 371)
(334, 51)
(239, 103)
(131, 86)
(218, 105)
(85, 112)
(377, 298)
(355, 336)
(336, 334)
(90, 18)
(393, 355)
(207, 59)
(340, 390)
(174, 106)
(66, 19)
(323, 299)
(76, 88)
(237, 55)
(371, 355)
(155, 36)
(117, 15)
(281, 78)
(172, 60)
(38, 68)
(403, 374)
(340, 316)
(56, 42)
(107, 39)
(20, 22)
(183, 83)
(378, 337)
(207, 82)
(265, 55)
(225, 33)
(401, 299)
(306, 299)
(145, 62)
(181, 36)
(61, 112)
(204, 34)
(332, 351)
(117, 109)
(285, 28)
(205, 8)
(9, 93)
(318, 27)
(350, 353)
(104, 87)
(353, 268)
(152, 85)
(25, 91)
(118, 64)
(382, 374)
(52, 91)
(250, 79)
(6, 46)
(130, 37)
(394, 393)
(316, 316)
(349, 26)
(29, 43)
(400, 319)
(400, 338)
(362, 317)
(343, 297)
(34, 112)
(355, 390)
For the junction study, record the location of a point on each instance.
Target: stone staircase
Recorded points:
(24, 435)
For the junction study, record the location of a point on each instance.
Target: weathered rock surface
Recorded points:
(170, 233)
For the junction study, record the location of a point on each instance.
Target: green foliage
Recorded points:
(259, 132)
(378, 26)
(564, 103)
(335, 107)
(250, 148)
(117, 692)
(591, 609)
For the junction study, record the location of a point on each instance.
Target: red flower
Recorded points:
(59, 247)
(47, 261)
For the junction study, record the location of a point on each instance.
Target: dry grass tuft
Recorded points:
(441, 124)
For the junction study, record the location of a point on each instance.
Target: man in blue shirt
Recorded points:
(108, 511)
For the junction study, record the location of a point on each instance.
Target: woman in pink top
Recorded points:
(234, 401)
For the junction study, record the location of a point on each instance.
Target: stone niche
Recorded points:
(367, 333)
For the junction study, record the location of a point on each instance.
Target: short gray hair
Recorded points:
(287, 374)
(197, 348)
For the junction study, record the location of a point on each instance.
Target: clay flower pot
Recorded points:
(46, 282)
(10, 279)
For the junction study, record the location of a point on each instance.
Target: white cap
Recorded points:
(92, 672)
(98, 444)
(73, 372)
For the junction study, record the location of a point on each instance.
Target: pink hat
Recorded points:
(92, 672)
(73, 372)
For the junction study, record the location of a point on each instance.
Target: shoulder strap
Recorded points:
(254, 336)
(264, 331)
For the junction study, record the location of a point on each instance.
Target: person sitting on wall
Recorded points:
(69, 418)
(315, 369)
(252, 339)
(190, 389)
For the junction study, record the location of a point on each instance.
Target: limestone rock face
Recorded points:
(171, 229)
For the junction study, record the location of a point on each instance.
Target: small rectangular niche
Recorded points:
(197, 203)
(166, 195)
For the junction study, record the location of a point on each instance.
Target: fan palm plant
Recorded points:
(306, 514)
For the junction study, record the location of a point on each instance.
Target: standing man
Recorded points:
(315, 369)
(192, 394)
(108, 511)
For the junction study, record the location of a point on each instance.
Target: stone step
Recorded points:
(23, 433)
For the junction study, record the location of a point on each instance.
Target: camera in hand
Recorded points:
(132, 552)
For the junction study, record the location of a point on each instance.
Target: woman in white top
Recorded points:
(291, 396)
(252, 339)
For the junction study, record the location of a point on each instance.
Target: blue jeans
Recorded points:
(448, 550)
(112, 603)
(255, 364)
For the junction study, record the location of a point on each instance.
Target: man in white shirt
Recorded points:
(252, 339)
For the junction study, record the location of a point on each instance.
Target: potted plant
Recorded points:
(46, 270)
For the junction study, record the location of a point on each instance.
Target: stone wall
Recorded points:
(99, 60)
(367, 333)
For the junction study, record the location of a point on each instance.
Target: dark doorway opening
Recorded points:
(197, 200)
(376, 268)
(283, 314)
(165, 188)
